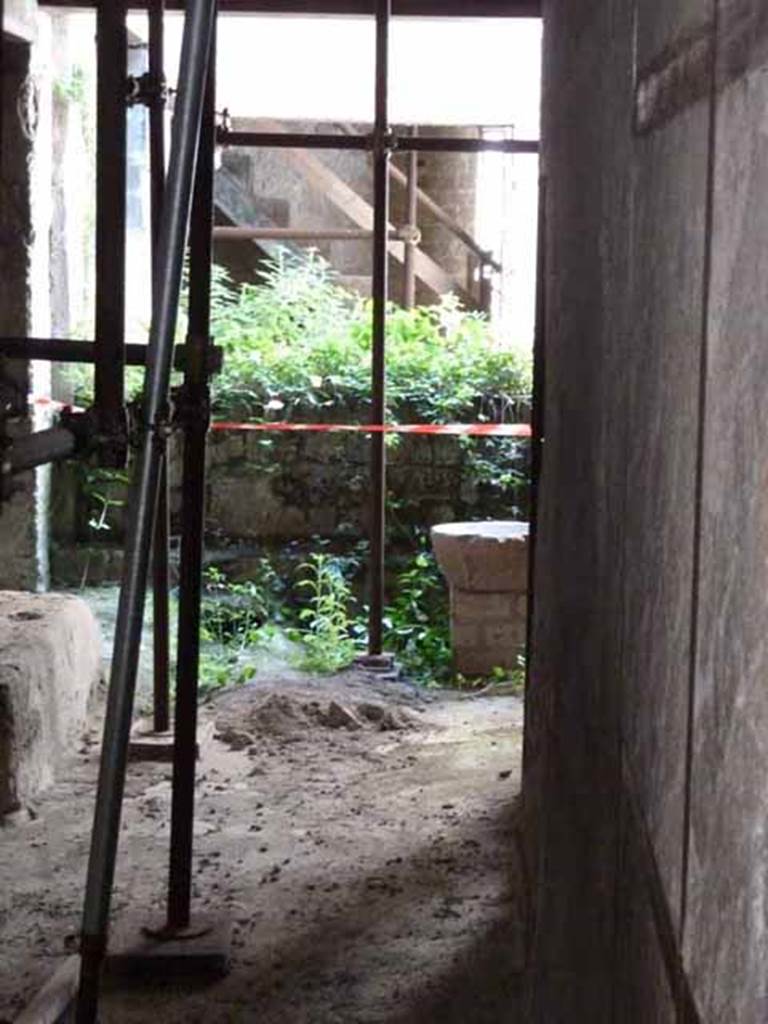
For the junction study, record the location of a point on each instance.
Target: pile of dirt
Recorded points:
(290, 717)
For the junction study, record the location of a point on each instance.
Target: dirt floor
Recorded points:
(360, 834)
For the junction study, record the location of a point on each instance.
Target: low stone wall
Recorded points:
(268, 490)
(50, 662)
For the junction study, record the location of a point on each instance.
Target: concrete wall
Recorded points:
(647, 759)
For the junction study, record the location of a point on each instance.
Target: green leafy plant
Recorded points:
(234, 619)
(297, 343)
(326, 624)
(416, 622)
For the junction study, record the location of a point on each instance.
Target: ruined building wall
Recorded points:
(17, 543)
(647, 759)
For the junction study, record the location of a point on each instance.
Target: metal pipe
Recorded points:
(157, 118)
(411, 216)
(196, 421)
(161, 654)
(293, 140)
(246, 234)
(59, 350)
(111, 144)
(416, 8)
(36, 449)
(198, 28)
(438, 144)
(379, 314)
(161, 642)
(401, 143)
(445, 219)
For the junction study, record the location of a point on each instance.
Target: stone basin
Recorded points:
(486, 566)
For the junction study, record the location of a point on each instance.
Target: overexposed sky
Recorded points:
(462, 71)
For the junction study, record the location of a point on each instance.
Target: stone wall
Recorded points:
(17, 546)
(646, 752)
(451, 179)
(265, 492)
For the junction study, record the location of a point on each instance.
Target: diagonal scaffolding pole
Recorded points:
(198, 30)
(161, 654)
(381, 161)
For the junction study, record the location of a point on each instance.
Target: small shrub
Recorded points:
(326, 633)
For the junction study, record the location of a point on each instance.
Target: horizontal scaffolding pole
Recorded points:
(438, 144)
(58, 350)
(36, 449)
(245, 234)
(402, 8)
(396, 143)
(293, 140)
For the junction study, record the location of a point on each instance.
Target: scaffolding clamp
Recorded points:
(147, 90)
(191, 408)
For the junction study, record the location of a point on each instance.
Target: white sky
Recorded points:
(463, 71)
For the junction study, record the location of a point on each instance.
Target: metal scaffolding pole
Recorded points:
(380, 290)
(195, 416)
(411, 217)
(400, 143)
(198, 29)
(111, 145)
(63, 350)
(161, 654)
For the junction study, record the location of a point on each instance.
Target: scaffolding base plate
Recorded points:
(204, 950)
(148, 745)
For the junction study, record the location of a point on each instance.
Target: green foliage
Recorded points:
(99, 489)
(234, 617)
(326, 633)
(416, 623)
(71, 87)
(297, 343)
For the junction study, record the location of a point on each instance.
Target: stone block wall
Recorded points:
(646, 759)
(264, 491)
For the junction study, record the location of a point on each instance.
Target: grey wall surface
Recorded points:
(18, 567)
(647, 758)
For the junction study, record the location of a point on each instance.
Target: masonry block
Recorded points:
(50, 663)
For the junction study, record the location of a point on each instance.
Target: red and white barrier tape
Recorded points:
(450, 429)
(454, 429)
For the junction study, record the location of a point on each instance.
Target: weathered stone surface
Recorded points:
(50, 662)
(486, 565)
(726, 943)
(663, 376)
(650, 656)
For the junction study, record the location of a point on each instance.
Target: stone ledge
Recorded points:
(50, 663)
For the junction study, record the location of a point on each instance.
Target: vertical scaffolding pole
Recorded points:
(195, 414)
(111, 143)
(412, 216)
(160, 566)
(198, 29)
(381, 158)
